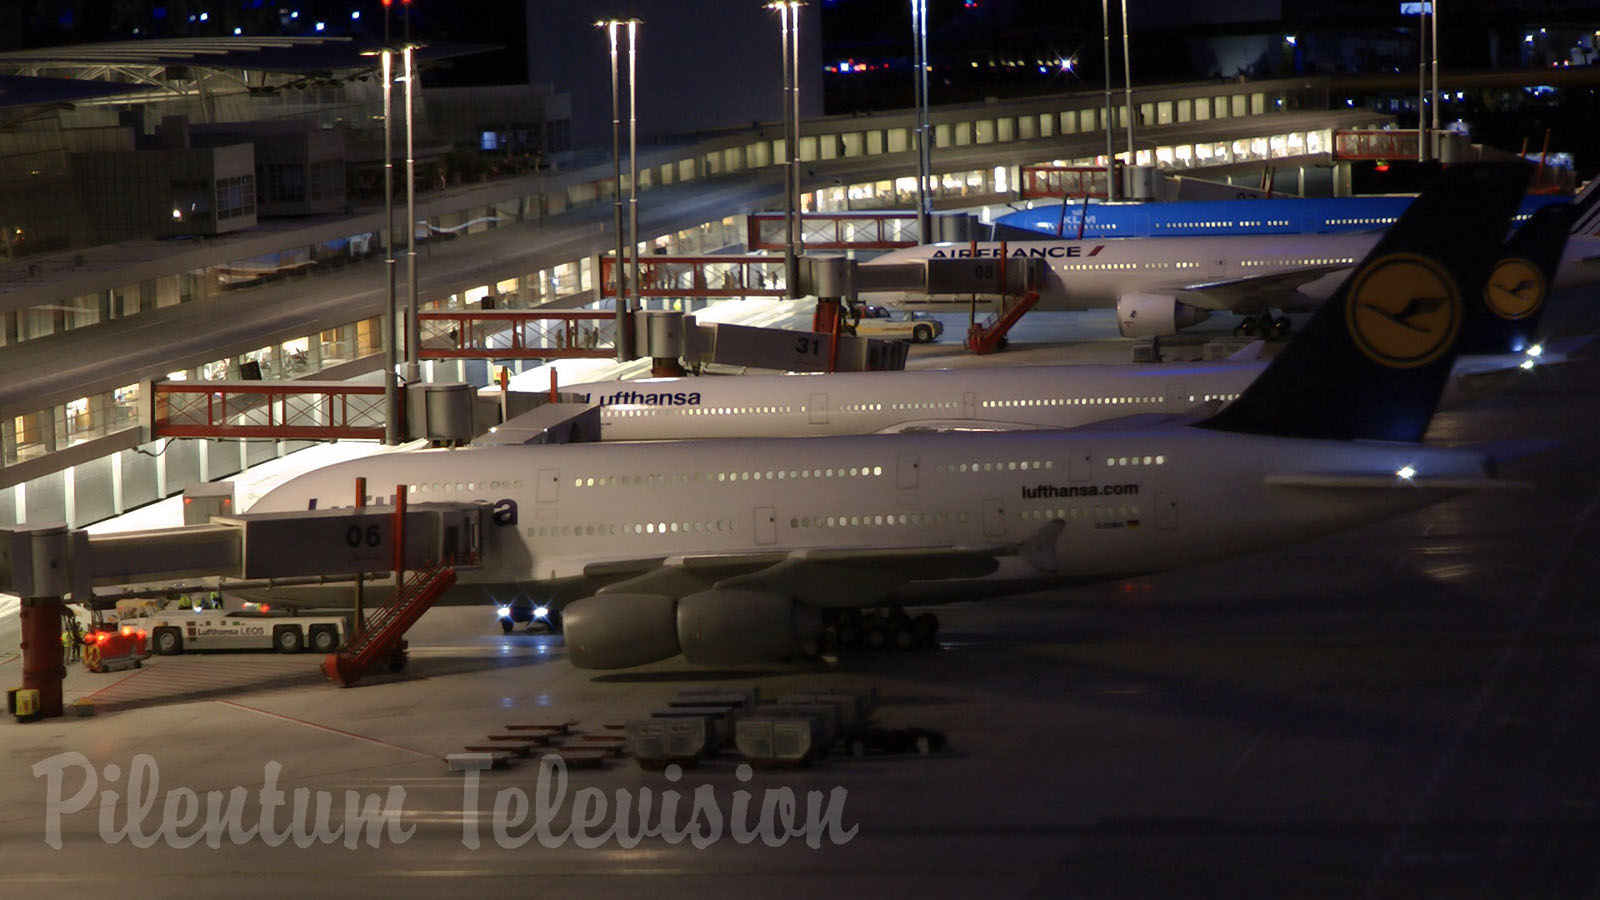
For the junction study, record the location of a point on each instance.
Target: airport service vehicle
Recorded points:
(878, 322)
(181, 626)
(1160, 286)
(115, 648)
(733, 551)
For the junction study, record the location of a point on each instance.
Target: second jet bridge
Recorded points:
(984, 277)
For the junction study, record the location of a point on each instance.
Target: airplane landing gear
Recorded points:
(1265, 325)
(875, 629)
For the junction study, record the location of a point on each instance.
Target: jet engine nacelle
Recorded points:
(1152, 315)
(615, 631)
(731, 627)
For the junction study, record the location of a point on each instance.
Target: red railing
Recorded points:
(701, 276)
(284, 410)
(1395, 145)
(517, 334)
(835, 231)
(1064, 181)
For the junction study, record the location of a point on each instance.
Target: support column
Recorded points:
(44, 665)
(39, 575)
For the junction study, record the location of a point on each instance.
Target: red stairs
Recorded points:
(987, 338)
(382, 635)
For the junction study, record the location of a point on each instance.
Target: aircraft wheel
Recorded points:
(925, 627)
(1246, 327)
(904, 637)
(168, 641)
(506, 624)
(877, 636)
(1281, 327)
(553, 622)
(287, 639)
(324, 638)
(849, 634)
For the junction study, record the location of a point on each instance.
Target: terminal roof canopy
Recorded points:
(264, 53)
(22, 91)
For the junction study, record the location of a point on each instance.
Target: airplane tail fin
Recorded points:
(1520, 281)
(1373, 360)
(1587, 204)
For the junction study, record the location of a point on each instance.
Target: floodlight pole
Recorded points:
(619, 279)
(633, 167)
(413, 332)
(919, 37)
(1422, 81)
(1127, 76)
(797, 239)
(1433, 42)
(391, 389)
(1111, 159)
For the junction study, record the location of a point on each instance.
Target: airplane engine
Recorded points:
(730, 627)
(615, 631)
(1151, 315)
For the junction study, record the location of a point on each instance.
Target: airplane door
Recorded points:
(1080, 464)
(969, 405)
(1166, 511)
(906, 473)
(819, 409)
(1177, 398)
(766, 525)
(994, 518)
(549, 485)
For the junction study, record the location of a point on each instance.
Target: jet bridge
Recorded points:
(46, 566)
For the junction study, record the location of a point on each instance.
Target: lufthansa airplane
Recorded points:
(1020, 397)
(1160, 286)
(728, 551)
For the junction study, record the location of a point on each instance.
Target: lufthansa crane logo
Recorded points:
(1403, 311)
(1516, 288)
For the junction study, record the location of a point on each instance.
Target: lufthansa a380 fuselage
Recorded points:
(1131, 500)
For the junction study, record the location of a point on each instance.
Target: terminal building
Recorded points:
(225, 220)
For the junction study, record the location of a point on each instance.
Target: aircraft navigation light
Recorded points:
(540, 612)
(1535, 351)
(503, 612)
(1406, 473)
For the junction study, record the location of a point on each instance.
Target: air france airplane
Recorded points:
(1021, 397)
(1160, 286)
(729, 551)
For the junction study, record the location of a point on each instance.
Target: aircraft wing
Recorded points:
(1252, 292)
(826, 578)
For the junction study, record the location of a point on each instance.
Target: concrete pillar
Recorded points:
(44, 666)
(39, 575)
(118, 504)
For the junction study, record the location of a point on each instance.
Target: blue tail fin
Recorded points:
(1520, 282)
(1373, 360)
